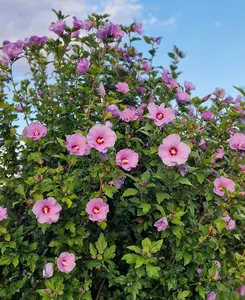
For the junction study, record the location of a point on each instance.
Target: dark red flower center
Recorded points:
(75, 147)
(221, 188)
(100, 140)
(36, 133)
(45, 209)
(160, 116)
(96, 210)
(125, 160)
(173, 151)
(64, 263)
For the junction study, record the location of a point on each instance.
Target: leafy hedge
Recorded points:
(121, 185)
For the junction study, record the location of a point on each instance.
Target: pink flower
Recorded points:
(217, 263)
(199, 272)
(189, 86)
(58, 27)
(241, 290)
(3, 213)
(160, 114)
(88, 25)
(237, 141)
(138, 27)
(208, 115)
(216, 276)
(101, 138)
(113, 109)
(182, 97)
(47, 210)
(222, 183)
(101, 90)
(242, 168)
(211, 296)
(83, 66)
(77, 144)
(161, 224)
(191, 112)
(231, 223)
(219, 154)
(127, 159)
(220, 93)
(129, 115)
(172, 151)
(122, 87)
(66, 262)
(35, 131)
(19, 108)
(97, 209)
(48, 270)
(147, 67)
(203, 144)
(168, 79)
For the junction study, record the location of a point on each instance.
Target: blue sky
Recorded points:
(212, 35)
(210, 32)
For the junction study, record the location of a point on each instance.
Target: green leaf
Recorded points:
(136, 249)
(145, 207)
(183, 295)
(5, 260)
(171, 55)
(109, 190)
(110, 252)
(200, 177)
(220, 224)
(162, 196)
(20, 190)
(240, 90)
(184, 180)
(101, 244)
(146, 243)
(92, 250)
(130, 192)
(156, 246)
(147, 39)
(15, 261)
(177, 231)
(139, 261)
(70, 226)
(187, 258)
(152, 271)
(130, 258)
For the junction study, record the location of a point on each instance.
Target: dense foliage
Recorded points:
(121, 185)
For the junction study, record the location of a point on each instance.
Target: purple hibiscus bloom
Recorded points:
(138, 27)
(58, 27)
(12, 50)
(88, 25)
(35, 40)
(77, 24)
(83, 66)
(119, 182)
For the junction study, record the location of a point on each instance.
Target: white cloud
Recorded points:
(151, 21)
(217, 23)
(23, 18)
(170, 21)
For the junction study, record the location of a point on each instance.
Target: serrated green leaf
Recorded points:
(130, 192)
(162, 196)
(101, 244)
(187, 258)
(70, 226)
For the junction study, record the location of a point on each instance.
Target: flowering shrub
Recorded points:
(121, 185)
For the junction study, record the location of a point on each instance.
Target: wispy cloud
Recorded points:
(217, 23)
(38, 15)
(170, 21)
